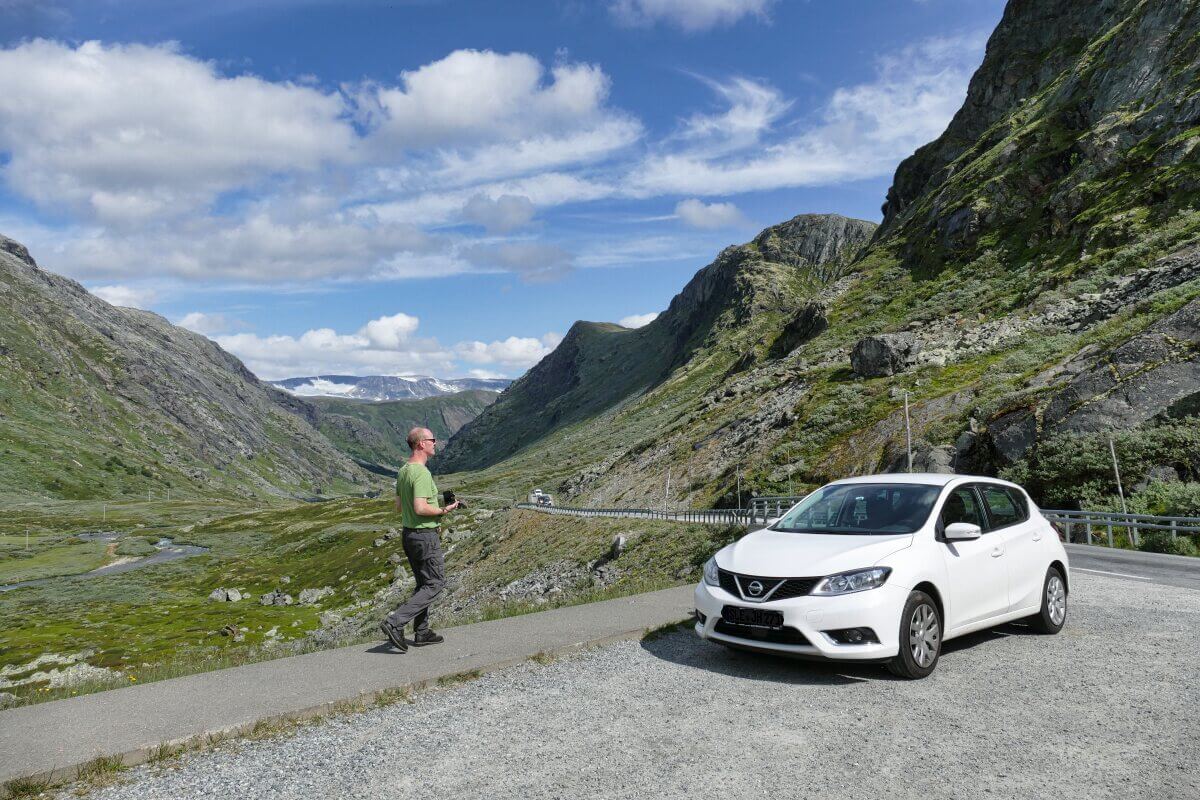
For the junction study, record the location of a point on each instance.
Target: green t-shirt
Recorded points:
(415, 480)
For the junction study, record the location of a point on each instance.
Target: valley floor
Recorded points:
(1007, 714)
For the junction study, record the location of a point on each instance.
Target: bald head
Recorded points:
(416, 436)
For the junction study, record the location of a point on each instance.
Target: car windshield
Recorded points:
(861, 508)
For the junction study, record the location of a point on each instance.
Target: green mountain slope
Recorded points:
(1034, 283)
(738, 304)
(103, 402)
(374, 433)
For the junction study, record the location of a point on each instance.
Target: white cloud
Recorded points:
(122, 132)
(500, 215)
(688, 15)
(479, 95)
(710, 216)
(752, 107)
(128, 296)
(532, 261)
(863, 130)
(513, 352)
(209, 324)
(638, 320)
(382, 346)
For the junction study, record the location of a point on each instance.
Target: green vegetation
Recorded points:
(158, 621)
(374, 433)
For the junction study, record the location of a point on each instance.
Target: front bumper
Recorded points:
(877, 609)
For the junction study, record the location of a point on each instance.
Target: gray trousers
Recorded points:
(424, 551)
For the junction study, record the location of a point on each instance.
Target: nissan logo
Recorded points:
(755, 588)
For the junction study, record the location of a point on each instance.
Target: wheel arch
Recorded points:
(930, 589)
(1062, 570)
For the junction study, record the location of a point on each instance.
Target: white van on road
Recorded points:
(886, 568)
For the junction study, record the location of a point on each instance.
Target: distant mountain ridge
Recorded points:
(387, 387)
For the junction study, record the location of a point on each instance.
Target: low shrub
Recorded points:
(134, 547)
(1161, 542)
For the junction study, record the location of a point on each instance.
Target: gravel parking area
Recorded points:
(1105, 709)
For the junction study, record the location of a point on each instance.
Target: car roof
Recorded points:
(922, 478)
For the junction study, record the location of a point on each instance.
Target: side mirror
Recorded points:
(962, 531)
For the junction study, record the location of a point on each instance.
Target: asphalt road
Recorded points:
(1102, 710)
(1131, 565)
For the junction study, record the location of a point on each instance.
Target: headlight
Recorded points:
(712, 575)
(859, 580)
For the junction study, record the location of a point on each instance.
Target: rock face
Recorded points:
(883, 355)
(140, 402)
(600, 365)
(1071, 108)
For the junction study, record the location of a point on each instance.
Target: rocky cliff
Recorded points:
(599, 366)
(1032, 291)
(99, 401)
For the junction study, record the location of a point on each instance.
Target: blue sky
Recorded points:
(444, 187)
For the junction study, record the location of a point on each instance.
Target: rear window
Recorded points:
(861, 508)
(1005, 506)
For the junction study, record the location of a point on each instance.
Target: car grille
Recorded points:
(783, 635)
(792, 587)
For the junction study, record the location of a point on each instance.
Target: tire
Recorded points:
(920, 638)
(1053, 614)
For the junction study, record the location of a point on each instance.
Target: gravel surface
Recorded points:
(1105, 709)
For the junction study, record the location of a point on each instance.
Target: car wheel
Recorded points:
(920, 638)
(1053, 615)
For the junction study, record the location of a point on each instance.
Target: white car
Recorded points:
(886, 568)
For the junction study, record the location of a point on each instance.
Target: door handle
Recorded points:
(997, 551)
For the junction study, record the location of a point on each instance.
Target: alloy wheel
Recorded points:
(924, 635)
(1056, 599)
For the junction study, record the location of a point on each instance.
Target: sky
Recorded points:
(442, 187)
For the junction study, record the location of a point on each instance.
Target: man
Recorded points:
(416, 500)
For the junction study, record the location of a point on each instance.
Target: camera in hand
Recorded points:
(448, 498)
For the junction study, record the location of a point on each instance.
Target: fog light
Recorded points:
(853, 636)
(699, 617)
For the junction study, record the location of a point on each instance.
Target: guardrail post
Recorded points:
(1172, 530)
(1068, 531)
(1110, 538)
(1088, 526)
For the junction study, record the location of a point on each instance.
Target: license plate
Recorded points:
(758, 617)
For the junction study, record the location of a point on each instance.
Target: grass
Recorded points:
(157, 622)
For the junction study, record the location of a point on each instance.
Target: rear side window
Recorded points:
(963, 506)
(1005, 506)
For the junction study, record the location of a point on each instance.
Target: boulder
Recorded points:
(883, 355)
(233, 595)
(218, 595)
(311, 596)
(7, 699)
(618, 546)
(276, 598)
(1161, 473)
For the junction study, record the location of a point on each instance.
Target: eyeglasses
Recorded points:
(430, 440)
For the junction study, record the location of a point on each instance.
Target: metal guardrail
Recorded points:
(712, 516)
(1075, 526)
(1089, 522)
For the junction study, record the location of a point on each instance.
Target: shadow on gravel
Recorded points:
(685, 648)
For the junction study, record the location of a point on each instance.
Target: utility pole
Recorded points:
(1112, 448)
(739, 487)
(104, 513)
(907, 432)
(27, 538)
(667, 493)
(789, 468)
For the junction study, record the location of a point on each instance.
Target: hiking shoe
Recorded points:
(396, 637)
(426, 637)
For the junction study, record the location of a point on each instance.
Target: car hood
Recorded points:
(793, 555)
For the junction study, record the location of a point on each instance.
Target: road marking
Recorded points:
(1118, 574)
